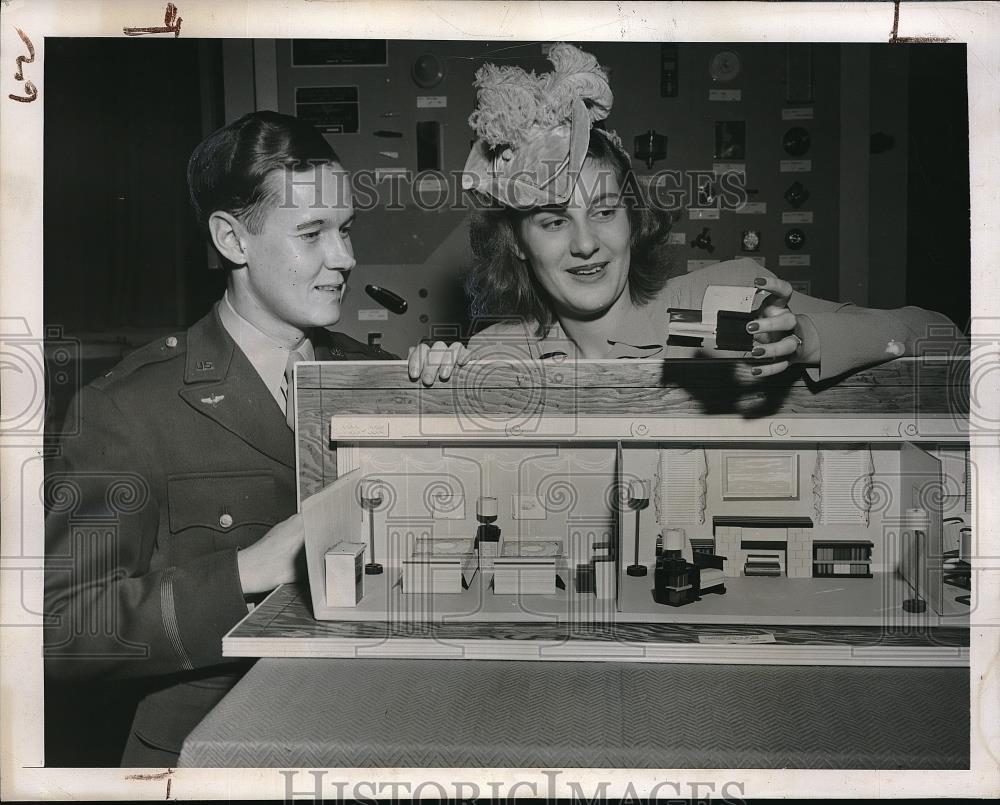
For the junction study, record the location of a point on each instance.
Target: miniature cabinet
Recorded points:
(563, 563)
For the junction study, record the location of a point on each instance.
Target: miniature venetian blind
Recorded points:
(842, 483)
(681, 487)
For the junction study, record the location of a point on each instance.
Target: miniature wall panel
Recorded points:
(681, 400)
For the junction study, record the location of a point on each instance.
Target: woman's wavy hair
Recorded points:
(501, 286)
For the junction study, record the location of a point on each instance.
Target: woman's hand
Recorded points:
(780, 337)
(437, 362)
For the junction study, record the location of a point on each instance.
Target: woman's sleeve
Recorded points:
(852, 337)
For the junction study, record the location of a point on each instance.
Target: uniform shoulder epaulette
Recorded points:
(157, 351)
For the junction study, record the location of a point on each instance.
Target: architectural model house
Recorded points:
(620, 505)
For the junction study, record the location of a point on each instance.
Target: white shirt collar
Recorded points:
(268, 356)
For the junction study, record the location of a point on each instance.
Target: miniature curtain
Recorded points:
(681, 487)
(842, 484)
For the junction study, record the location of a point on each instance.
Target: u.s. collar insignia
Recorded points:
(214, 400)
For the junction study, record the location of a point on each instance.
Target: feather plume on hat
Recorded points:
(533, 130)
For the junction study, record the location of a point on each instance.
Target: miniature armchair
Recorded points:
(711, 577)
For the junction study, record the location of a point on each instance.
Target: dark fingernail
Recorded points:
(757, 352)
(756, 370)
(760, 281)
(753, 327)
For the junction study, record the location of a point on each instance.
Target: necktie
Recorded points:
(288, 387)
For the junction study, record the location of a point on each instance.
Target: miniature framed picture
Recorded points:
(759, 474)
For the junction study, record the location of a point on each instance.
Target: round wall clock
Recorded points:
(724, 66)
(427, 71)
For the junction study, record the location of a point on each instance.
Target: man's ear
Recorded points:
(227, 234)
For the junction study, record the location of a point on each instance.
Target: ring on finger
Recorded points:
(798, 342)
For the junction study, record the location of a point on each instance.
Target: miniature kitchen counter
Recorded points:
(293, 713)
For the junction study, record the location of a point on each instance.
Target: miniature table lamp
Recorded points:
(487, 535)
(638, 499)
(371, 498)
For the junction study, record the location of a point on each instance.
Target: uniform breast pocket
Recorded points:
(222, 510)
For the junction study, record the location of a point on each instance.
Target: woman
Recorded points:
(573, 258)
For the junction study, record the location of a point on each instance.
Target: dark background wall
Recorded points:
(125, 263)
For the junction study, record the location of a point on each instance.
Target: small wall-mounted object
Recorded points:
(750, 240)
(429, 145)
(527, 507)
(798, 73)
(796, 141)
(392, 302)
(650, 147)
(730, 139)
(795, 239)
(724, 65)
(427, 71)
(703, 240)
(797, 194)
(880, 142)
(345, 579)
(669, 68)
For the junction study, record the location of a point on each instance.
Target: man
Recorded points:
(175, 505)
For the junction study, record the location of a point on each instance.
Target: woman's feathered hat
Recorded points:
(533, 130)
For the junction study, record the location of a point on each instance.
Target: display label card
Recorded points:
(796, 217)
(752, 208)
(708, 214)
(793, 260)
(432, 101)
(729, 167)
(796, 165)
(677, 238)
(761, 261)
(373, 314)
(725, 95)
(799, 113)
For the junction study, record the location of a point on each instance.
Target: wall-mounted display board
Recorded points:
(340, 52)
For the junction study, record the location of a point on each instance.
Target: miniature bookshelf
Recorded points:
(842, 560)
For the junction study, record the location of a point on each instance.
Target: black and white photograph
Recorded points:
(487, 400)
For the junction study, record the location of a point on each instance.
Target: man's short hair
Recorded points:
(229, 168)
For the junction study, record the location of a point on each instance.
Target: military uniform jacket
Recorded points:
(182, 458)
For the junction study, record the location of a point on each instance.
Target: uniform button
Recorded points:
(226, 520)
(171, 342)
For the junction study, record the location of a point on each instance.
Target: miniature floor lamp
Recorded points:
(371, 499)
(638, 499)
